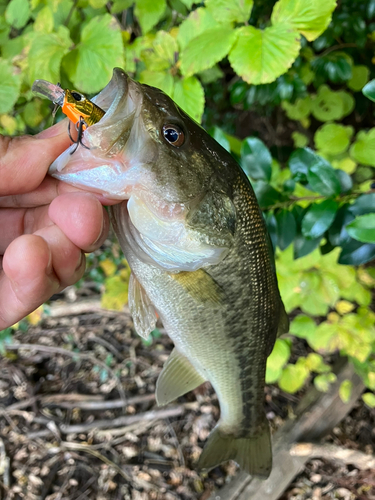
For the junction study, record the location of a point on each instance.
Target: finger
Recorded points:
(45, 193)
(82, 218)
(68, 261)
(27, 279)
(24, 161)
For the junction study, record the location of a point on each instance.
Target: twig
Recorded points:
(333, 452)
(67, 20)
(65, 352)
(82, 307)
(4, 465)
(337, 47)
(108, 346)
(174, 411)
(87, 449)
(70, 401)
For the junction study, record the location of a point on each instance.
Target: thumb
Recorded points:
(24, 161)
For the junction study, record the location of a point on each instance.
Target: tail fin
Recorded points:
(253, 453)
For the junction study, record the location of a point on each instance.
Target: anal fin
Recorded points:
(176, 379)
(141, 308)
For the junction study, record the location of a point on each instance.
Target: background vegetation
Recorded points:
(279, 84)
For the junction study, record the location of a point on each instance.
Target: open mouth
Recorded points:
(111, 163)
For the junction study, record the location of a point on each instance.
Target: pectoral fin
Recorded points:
(201, 286)
(141, 308)
(176, 379)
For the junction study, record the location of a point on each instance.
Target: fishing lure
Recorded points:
(80, 110)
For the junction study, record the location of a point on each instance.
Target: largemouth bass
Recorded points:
(192, 231)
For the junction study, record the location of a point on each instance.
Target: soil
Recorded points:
(79, 419)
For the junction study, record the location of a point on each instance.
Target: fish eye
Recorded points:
(76, 96)
(174, 135)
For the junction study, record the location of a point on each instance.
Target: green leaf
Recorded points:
(345, 391)
(303, 326)
(220, 136)
(354, 253)
(364, 204)
(149, 13)
(266, 194)
(256, 159)
(286, 228)
(230, 11)
(46, 53)
(161, 55)
(300, 161)
(293, 378)
(217, 42)
(369, 90)
(10, 84)
(17, 13)
(322, 382)
(189, 95)
(363, 150)
(199, 21)
(319, 218)
(260, 56)
(322, 179)
(369, 399)
(44, 21)
(4, 31)
(100, 48)
(309, 18)
(160, 80)
(332, 138)
(328, 105)
(300, 140)
(276, 360)
(299, 110)
(363, 228)
(360, 76)
(303, 246)
(120, 5)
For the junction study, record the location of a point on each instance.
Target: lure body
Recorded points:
(74, 105)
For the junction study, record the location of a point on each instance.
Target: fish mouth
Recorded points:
(116, 148)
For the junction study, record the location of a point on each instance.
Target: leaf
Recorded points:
(363, 150)
(149, 13)
(369, 90)
(322, 178)
(276, 360)
(189, 95)
(220, 136)
(369, 399)
(300, 161)
(299, 110)
(120, 5)
(256, 159)
(161, 55)
(345, 391)
(17, 13)
(309, 18)
(322, 382)
(303, 246)
(266, 194)
(161, 80)
(364, 204)
(360, 76)
(354, 253)
(230, 11)
(44, 20)
(46, 53)
(332, 138)
(293, 378)
(199, 21)
(319, 218)
(216, 42)
(328, 105)
(100, 48)
(363, 228)
(260, 56)
(345, 181)
(116, 293)
(10, 84)
(303, 326)
(286, 228)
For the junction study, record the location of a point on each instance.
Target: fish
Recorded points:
(191, 229)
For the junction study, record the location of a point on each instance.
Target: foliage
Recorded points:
(289, 84)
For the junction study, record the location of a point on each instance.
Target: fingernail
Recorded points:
(82, 256)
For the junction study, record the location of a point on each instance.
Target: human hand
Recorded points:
(46, 226)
